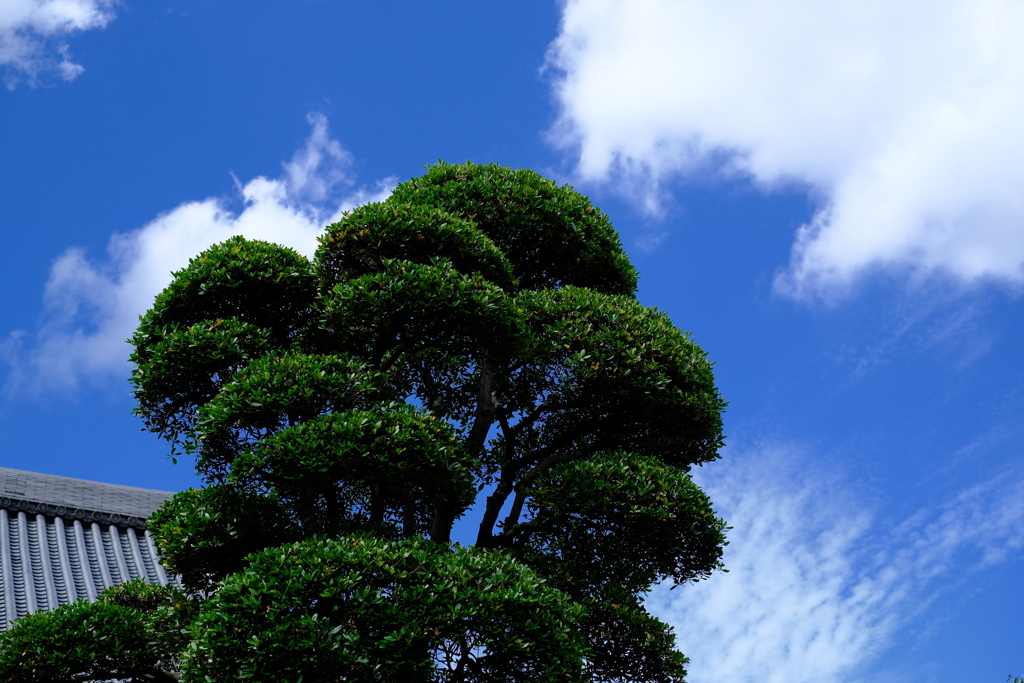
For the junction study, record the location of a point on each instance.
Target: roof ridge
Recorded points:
(53, 491)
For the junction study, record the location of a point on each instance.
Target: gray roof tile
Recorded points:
(80, 493)
(50, 557)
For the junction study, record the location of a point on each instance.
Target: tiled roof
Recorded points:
(62, 539)
(46, 493)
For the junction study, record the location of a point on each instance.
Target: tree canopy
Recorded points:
(469, 351)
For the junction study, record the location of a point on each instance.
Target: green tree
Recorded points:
(470, 349)
(133, 632)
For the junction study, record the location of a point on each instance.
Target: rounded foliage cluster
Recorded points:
(361, 608)
(133, 632)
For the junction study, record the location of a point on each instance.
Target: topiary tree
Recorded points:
(133, 632)
(470, 349)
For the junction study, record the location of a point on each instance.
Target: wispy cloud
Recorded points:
(940, 323)
(903, 116)
(819, 584)
(33, 33)
(91, 307)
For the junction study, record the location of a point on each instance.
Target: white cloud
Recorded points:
(818, 585)
(903, 115)
(31, 34)
(91, 308)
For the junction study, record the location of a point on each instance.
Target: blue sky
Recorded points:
(827, 195)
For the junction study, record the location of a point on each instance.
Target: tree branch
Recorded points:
(486, 405)
(495, 501)
(541, 410)
(530, 528)
(510, 437)
(434, 400)
(517, 509)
